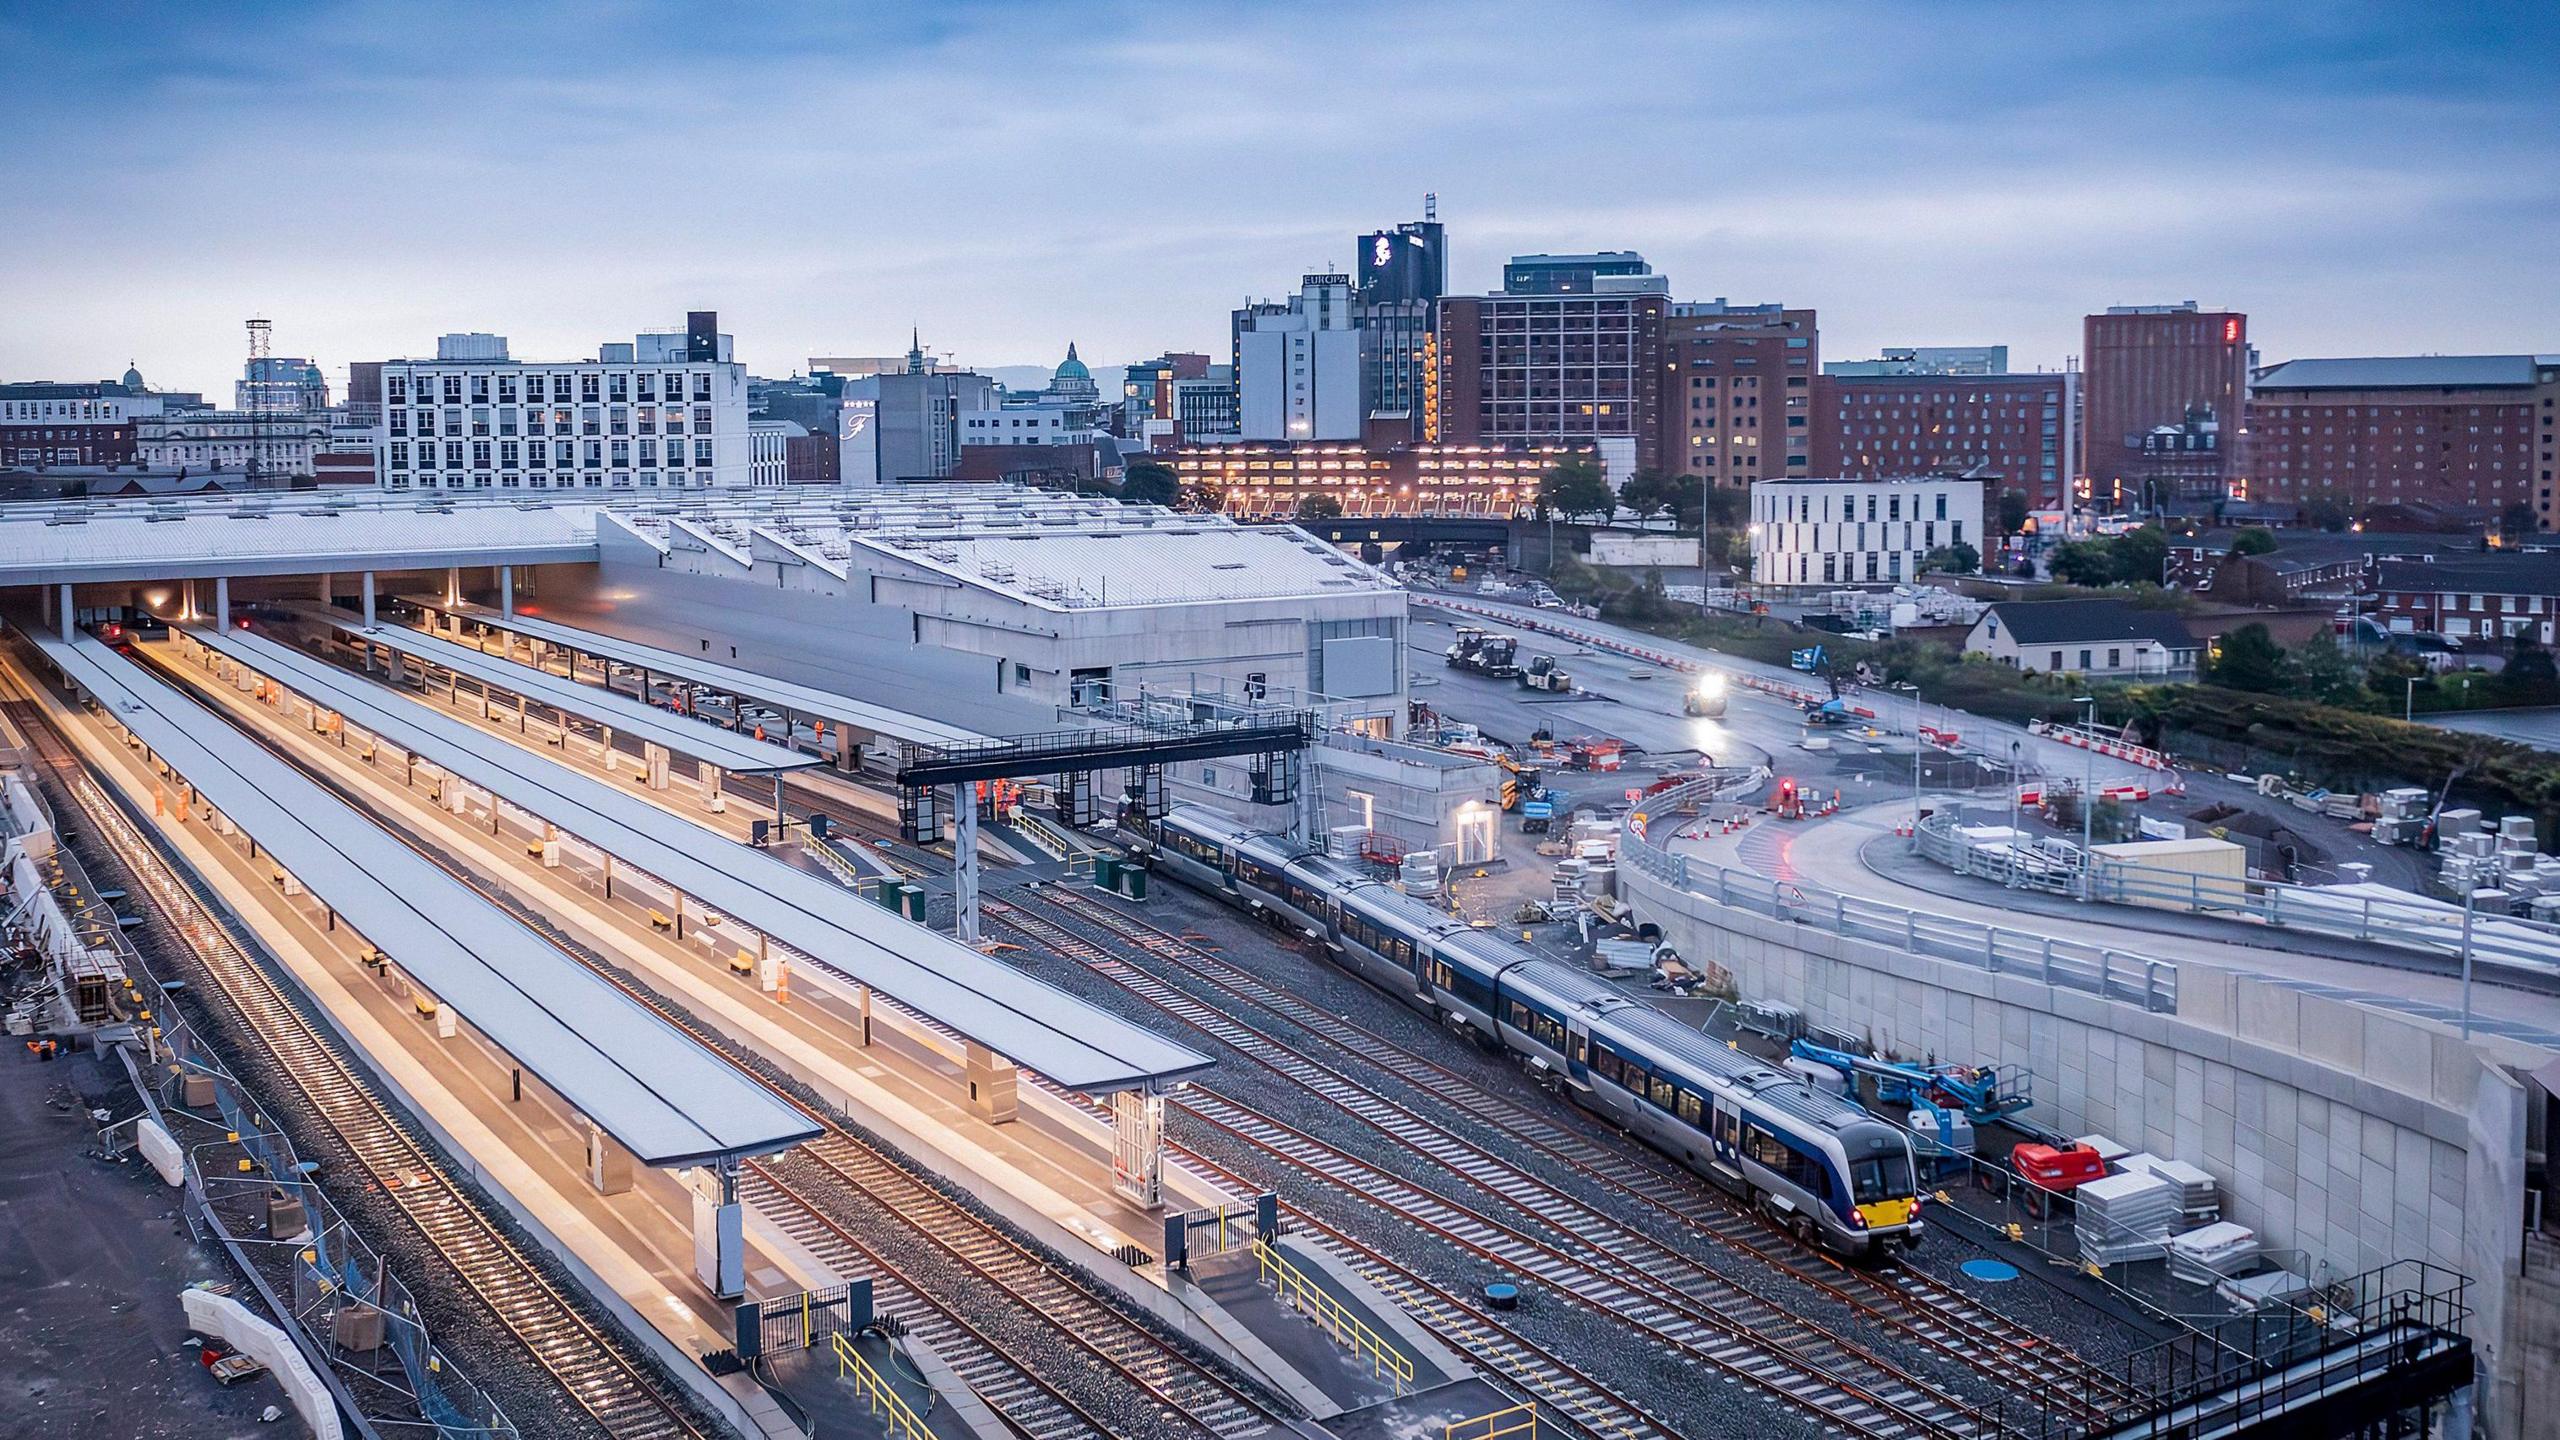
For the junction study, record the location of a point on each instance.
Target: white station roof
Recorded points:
(736, 753)
(1038, 1026)
(817, 704)
(650, 1086)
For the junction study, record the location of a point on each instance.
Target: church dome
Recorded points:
(1073, 368)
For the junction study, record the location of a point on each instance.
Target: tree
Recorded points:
(1319, 507)
(2249, 659)
(1957, 559)
(2141, 556)
(2013, 512)
(1648, 493)
(1727, 506)
(1149, 483)
(2327, 509)
(2530, 676)
(2256, 540)
(2517, 521)
(2323, 672)
(2084, 562)
(1576, 485)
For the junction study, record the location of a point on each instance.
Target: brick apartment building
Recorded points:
(1556, 368)
(2154, 369)
(2475, 431)
(2471, 597)
(2016, 430)
(1739, 405)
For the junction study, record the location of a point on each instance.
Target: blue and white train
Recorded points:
(1828, 1170)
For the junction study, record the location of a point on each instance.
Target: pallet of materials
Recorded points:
(2199, 1195)
(2126, 1217)
(2213, 1254)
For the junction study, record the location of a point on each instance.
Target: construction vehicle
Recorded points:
(1484, 653)
(1525, 789)
(1542, 673)
(1830, 714)
(1586, 752)
(1946, 1101)
(1705, 695)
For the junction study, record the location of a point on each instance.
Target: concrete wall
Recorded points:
(2352, 1135)
(1612, 547)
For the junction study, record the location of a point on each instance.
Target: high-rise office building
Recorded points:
(1298, 366)
(2464, 431)
(1406, 264)
(1557, 366)
(2150, 367)
(2015, 430)
(918, 417)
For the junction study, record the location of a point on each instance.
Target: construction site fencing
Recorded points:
(2068, 964)
(341, 1301)
(2416, 925)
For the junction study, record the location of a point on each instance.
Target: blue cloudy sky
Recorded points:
(2362, 178)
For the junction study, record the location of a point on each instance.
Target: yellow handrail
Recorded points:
(900, 1420)
(1347, 1329)
(1517, 1420)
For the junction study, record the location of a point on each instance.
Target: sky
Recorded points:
(2360, 178)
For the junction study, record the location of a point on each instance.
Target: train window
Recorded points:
(1551, 1032)
(1517, 1014)
(1604, 1063)
(1765, 1148)
(1663, 1094)
(1729, 1129)
(1581, 1050)
(1690, 1107)
(1634, 1078)
(1884, 1178)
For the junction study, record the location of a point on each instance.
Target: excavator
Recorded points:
(1542, 673)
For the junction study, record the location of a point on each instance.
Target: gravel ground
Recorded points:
(1596, 1342)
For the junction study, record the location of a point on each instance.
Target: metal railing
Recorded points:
(1296, 1290)
(896, 1416)
(2069, 964)
(1516, 1422)
(2414, 925)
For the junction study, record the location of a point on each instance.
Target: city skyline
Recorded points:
(1008, 179)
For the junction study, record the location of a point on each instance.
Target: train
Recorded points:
(1822, 1167)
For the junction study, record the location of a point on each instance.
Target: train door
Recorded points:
(1725, 1149)
(1577, 1049)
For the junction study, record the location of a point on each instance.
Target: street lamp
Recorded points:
(2409, 702)
(1914, 691)
(2014, 856)
(2088, 800)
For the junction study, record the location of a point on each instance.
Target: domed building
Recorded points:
(1073, 383)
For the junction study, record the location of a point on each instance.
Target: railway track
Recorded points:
(1913, 1302)
(1070, 1315)
(590, 1365)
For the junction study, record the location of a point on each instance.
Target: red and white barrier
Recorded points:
(2082, 738)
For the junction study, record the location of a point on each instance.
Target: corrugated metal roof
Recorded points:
(293, 533)
(2398, 372)
(1038, 1026)
(739, 754)
(1179, 564)
(823, 704)
(653, 1088)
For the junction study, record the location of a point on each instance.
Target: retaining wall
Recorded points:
(2349, 1134)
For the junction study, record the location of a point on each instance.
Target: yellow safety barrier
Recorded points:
(1348, 1330)
(1520, 1422)
(896, 1416)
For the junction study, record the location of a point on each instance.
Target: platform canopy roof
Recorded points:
(1040, 1027)
(685, 735)
(729, 679)
(656, 1090)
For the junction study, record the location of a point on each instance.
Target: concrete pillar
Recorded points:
(62, 613)
(222, 602)
(654, 755)
(507, 594)
(368, 614)
(608, 1164)
(187, 601)
(848, 755)
(964, 863)
(714, 798)
(328, 588)
(864, 996)
(991, 1085)
(453, 585)
(719, 1230)
(1137, 1147)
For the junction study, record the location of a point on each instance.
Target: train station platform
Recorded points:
(788, 696)
(981, 1000)
(617, 713)
(1050, 1171)
(650, 1086)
